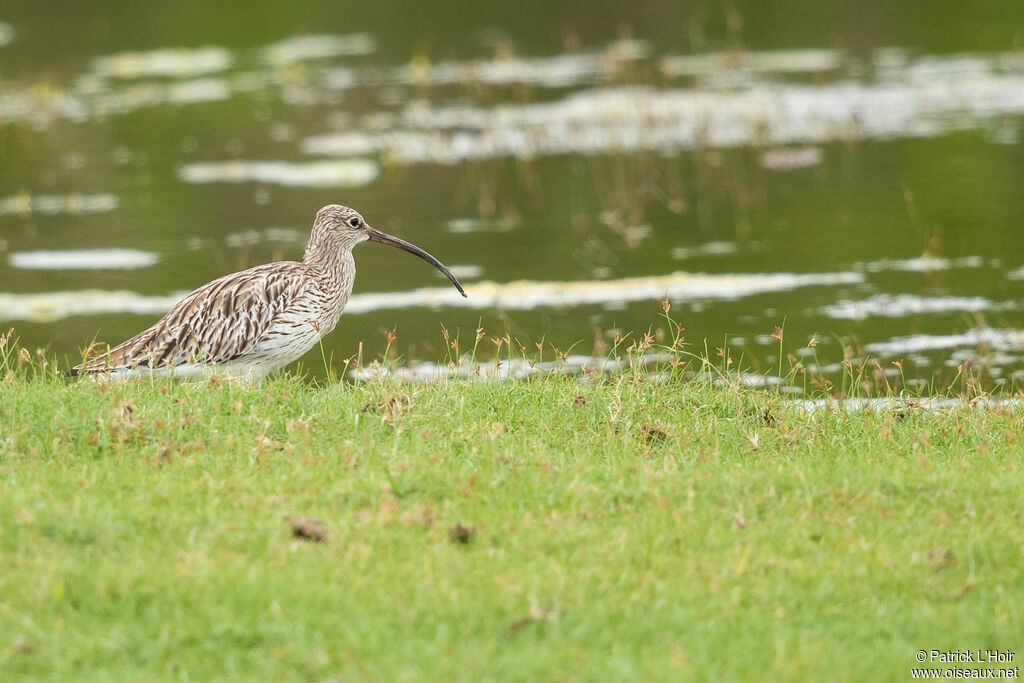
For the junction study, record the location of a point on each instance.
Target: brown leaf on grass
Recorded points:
(308, 529)
(580, 400)
(461, 534)
(388, 403)
(467, 490)
(520, 624)
(22, 646)
(162, 457)
(538, 614)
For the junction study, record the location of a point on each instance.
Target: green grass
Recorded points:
(623, 529)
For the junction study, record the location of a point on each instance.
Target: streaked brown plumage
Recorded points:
(253, 322)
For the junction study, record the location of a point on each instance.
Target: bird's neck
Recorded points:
(332, 259)
(335, 272)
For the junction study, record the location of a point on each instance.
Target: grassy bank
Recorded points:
(615, 529)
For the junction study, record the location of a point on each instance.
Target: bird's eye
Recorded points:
(355, 221)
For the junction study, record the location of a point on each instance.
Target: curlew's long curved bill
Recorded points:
(384, 238)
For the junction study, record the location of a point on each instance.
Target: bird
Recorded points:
(248, 324)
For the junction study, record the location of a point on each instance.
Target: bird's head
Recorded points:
(339, 227)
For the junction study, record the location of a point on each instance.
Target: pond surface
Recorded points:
(852, 174)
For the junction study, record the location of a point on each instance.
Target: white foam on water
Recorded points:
(927, 403)
(465, 226)
(646, 118)
(789, 159)
(465, 271)
(553, 71)
(513, 368)
(350, 144)
(921, 264)
(319, 46)
(998, 339)
(164, 62)
(250, 238)
(530, 294)
(902, 305)
(755, 62)
(505, 369)
(339, 173)
(717, 248)
(52, 306)
(6, 34)
(520, 295)
(83, 259)
(559, 71)
(735, 99)
(72, 204)
(199, 90)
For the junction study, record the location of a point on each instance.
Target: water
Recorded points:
(853, 176)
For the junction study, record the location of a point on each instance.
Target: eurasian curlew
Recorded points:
(253, 322)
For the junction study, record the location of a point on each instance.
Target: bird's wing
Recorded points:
(221, 321)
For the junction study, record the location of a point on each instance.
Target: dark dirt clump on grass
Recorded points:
(462, 534)
(520, 624)
(652, 434)
(308, 529)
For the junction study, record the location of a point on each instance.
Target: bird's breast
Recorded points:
(330, 301)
